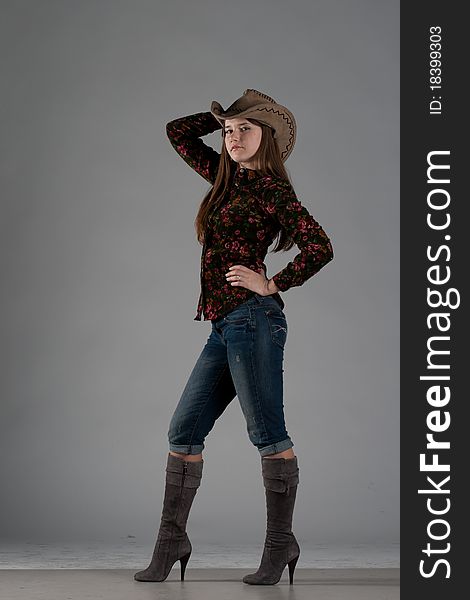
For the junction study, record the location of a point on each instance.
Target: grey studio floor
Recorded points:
(96, 570)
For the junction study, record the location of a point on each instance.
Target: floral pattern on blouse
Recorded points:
(247, 222)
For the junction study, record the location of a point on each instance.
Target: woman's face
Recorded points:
(242, 140)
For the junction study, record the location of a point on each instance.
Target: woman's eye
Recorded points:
(230, 131)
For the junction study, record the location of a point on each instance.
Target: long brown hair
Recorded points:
(269, 163)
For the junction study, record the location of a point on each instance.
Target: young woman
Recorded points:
(251, 201)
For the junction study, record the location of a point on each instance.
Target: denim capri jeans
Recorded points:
(243, 357)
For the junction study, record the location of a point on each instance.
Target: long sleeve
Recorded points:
(185, 133)
(281, 202)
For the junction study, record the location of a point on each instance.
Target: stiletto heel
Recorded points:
(184, 562)
(292, 564)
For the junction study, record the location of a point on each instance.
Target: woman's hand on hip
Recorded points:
(239, 275)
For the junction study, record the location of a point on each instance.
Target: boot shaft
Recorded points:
(280, 478)
(182, 480)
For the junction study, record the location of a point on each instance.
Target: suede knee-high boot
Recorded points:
(280, 477)
(182, 480)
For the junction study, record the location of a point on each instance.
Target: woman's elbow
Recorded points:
(329, 252)
(170, 128)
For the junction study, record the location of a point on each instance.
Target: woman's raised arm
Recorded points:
(185, 133)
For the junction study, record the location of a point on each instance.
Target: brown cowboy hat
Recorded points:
(263, 108)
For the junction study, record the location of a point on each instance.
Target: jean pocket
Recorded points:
(278, 326)
(237, 317)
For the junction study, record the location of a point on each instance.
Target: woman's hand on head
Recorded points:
(239, 275)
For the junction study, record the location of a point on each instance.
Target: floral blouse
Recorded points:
(245, 225)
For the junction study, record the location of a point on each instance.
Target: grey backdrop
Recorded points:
(100, 263)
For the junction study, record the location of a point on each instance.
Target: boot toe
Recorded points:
(256, 579)
(147, 576)
(141, 576)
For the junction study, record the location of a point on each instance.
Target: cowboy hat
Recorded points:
(266, 110)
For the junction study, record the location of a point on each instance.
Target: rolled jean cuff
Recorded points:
(187, 449)
(277, 447)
